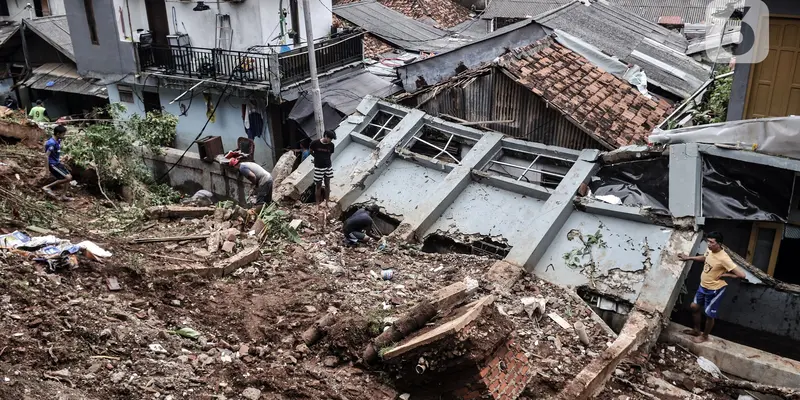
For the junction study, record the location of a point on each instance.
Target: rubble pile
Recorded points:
(190, 302)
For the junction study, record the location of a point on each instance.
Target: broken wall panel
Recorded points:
(344, 166)
(615, 262)
(744, 191)
(640, 183)
(481, 210)
(401, 187)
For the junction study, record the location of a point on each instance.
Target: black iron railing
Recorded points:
(331, 54)
(202, 63)
(244, 67)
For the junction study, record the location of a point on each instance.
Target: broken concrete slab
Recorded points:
(469, 314)
(502, 275)
(591, 380)
(733, 358)
(228, 246)
(177, 211)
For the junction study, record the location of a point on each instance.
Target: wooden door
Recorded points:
(774, 89)
(157, 20)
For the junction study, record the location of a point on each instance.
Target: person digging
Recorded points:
(259, 177)
(716, 264)
(52, 151)
(321, 150)
(356, 227)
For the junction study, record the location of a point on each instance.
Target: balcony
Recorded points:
(250, 67)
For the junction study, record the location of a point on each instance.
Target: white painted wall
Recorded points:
(138, 17)
(254, 22)
(16, 9)
(228, 123)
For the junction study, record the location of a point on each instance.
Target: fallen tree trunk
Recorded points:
(782, 391)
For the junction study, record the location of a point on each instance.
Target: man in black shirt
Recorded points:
(358, 224)
(322, 149)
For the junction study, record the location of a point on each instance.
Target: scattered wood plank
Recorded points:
(560, 320)
(169, 239)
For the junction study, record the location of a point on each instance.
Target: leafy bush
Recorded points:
(714, 107)
(113, 149)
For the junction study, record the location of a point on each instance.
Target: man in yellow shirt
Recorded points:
(716, 264)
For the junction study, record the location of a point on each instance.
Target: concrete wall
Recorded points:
(390, 190)
(228, 123)
(253, 22)
(442, 67)
(476, 211)
(192, 174)
(631, 248)
(741, 76)
(110, 56)
(17, 12)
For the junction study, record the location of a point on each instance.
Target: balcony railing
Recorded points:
(249, 67)
(202, 63)
(331, 54)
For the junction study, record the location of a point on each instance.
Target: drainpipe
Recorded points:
(133, 42)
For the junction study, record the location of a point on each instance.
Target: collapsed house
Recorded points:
(454, 188)
(544, 92)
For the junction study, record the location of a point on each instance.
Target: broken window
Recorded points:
(540, 169)
(440, 145)
(380, 125)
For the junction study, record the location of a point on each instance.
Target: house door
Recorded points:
(775, 82)
(157, 20)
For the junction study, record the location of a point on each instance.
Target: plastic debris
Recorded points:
(708, 366)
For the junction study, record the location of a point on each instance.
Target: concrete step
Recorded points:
(735, 359)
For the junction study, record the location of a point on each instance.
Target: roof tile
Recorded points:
(614, 111)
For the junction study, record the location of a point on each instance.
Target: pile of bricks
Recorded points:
(502, 377)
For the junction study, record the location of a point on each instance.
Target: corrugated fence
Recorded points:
(493, 96)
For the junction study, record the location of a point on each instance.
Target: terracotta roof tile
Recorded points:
(446, 13)
(614, 111)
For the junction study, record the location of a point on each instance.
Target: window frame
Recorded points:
(776, 244)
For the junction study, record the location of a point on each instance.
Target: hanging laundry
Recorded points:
(253, 122)
(209, 108)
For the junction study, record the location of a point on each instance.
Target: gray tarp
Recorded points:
(776, 136)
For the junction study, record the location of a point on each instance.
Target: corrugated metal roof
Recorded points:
(347, 93)
(633, 39)
(55, 31)
(64, 78)
(690, 11)
(520, 8)
(7, 30)
(398, 29)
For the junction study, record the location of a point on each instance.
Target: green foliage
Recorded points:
(113, 149)
(714, 106)
(375, 320)
(277, 224)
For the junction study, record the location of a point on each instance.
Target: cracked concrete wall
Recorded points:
(397, 190)
(487, 210)
(344, 166)
(620, 268)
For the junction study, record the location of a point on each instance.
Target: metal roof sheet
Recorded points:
(398, 29)
(55, 31)
(633, 39)
(347, 93)
(64, 78)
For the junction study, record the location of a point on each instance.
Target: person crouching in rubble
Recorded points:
(716, 264)
(357, 226)
(52, 151)
(259, 177)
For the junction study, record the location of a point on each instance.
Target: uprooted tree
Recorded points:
(113, 149)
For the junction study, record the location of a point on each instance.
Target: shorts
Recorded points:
(59, 171)
(354, 237)
(709, 300)
(320, 173)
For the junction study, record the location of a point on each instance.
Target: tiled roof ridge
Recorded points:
(608, 108)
